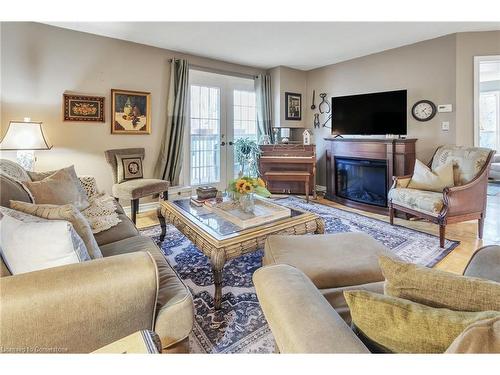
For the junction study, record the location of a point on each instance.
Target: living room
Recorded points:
(322, 187)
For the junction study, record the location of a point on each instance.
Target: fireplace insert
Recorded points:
(362, 180)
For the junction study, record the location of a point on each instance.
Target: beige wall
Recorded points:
(426, 70)
(40, 62)
(468, 46)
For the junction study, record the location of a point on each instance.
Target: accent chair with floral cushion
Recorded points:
(465, 200)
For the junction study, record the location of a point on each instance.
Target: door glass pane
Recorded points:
(244, 118)
(205, 135)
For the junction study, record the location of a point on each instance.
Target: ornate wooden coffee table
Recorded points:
(221, 240)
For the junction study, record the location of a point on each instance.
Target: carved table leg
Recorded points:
(163, 226)
(217, 259)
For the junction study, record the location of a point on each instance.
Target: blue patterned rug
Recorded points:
(239, 326)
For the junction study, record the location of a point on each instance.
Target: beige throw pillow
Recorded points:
(432, 180)
(402, 326)
(66, 212)
(61, 187)
(479, 337)
(438, 288)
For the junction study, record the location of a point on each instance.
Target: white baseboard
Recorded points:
(143, 207)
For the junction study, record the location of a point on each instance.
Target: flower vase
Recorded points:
(247, 202)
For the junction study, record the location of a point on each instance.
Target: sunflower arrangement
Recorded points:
(247, 185)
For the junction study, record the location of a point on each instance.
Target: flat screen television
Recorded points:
(370, 114)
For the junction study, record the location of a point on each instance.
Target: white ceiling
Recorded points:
(300, 45)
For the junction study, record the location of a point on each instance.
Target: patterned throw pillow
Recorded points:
(66, 212)
(438, 288)
(400, 326)
(129, 167)
(48, 243)
(61, 187)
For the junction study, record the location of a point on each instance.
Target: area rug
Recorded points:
(240, 326)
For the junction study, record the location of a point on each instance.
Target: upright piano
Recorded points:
(288, 161)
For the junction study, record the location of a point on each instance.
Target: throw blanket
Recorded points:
(101, 214)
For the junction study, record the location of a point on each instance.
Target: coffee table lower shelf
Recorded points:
(219, 251)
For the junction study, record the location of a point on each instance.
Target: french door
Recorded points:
(221, 110)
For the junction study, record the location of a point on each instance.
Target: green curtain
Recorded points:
(169, 164)
(264, 105)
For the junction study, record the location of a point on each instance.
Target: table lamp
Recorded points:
(25, 137)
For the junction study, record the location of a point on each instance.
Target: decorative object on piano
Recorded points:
(83, 108)
(265, 140)
(293, 109)
(276, 132)
(247, 152)
(306, 137)
(206, 192)
(244, 188)
(285, 134)
(313, 106)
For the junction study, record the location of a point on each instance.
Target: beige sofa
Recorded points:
(302, 297)
(81, 307)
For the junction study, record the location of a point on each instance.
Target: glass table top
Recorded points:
(215, 224)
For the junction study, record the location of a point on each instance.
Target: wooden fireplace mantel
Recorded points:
(399, 155)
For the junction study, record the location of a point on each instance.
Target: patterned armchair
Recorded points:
(462, 202)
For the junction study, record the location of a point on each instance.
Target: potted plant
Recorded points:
(244, 188)
(247, 153)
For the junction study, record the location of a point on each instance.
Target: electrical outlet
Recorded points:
(445, 126)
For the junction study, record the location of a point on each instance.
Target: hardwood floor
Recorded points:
(465, 232)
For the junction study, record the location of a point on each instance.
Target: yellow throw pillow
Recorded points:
(66, 212)
(438, 288)
(402, 326)
(432, 180)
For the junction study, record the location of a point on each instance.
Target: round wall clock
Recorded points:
(423, 110)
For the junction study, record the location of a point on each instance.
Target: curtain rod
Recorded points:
(219, 71)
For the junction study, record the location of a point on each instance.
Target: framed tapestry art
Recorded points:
(130, 112)
(83, 108)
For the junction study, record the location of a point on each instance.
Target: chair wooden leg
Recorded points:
(480, 226)
(391, 214)
(442, 232)
(134, 207)
(307, 191)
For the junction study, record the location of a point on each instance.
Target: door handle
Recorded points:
(230, 143)
(223, 143)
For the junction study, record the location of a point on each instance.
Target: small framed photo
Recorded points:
(83, 108)
(293, 109)
(130, 112)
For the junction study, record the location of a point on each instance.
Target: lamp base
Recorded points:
(26, 159)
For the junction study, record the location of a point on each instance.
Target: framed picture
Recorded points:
(293, 109)
(130, 112)
(83, 108)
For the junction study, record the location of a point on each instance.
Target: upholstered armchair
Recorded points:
(463, 202)
(129, 182)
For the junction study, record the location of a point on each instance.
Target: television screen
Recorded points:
(366, 114)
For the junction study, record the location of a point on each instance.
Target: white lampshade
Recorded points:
(25, 136)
